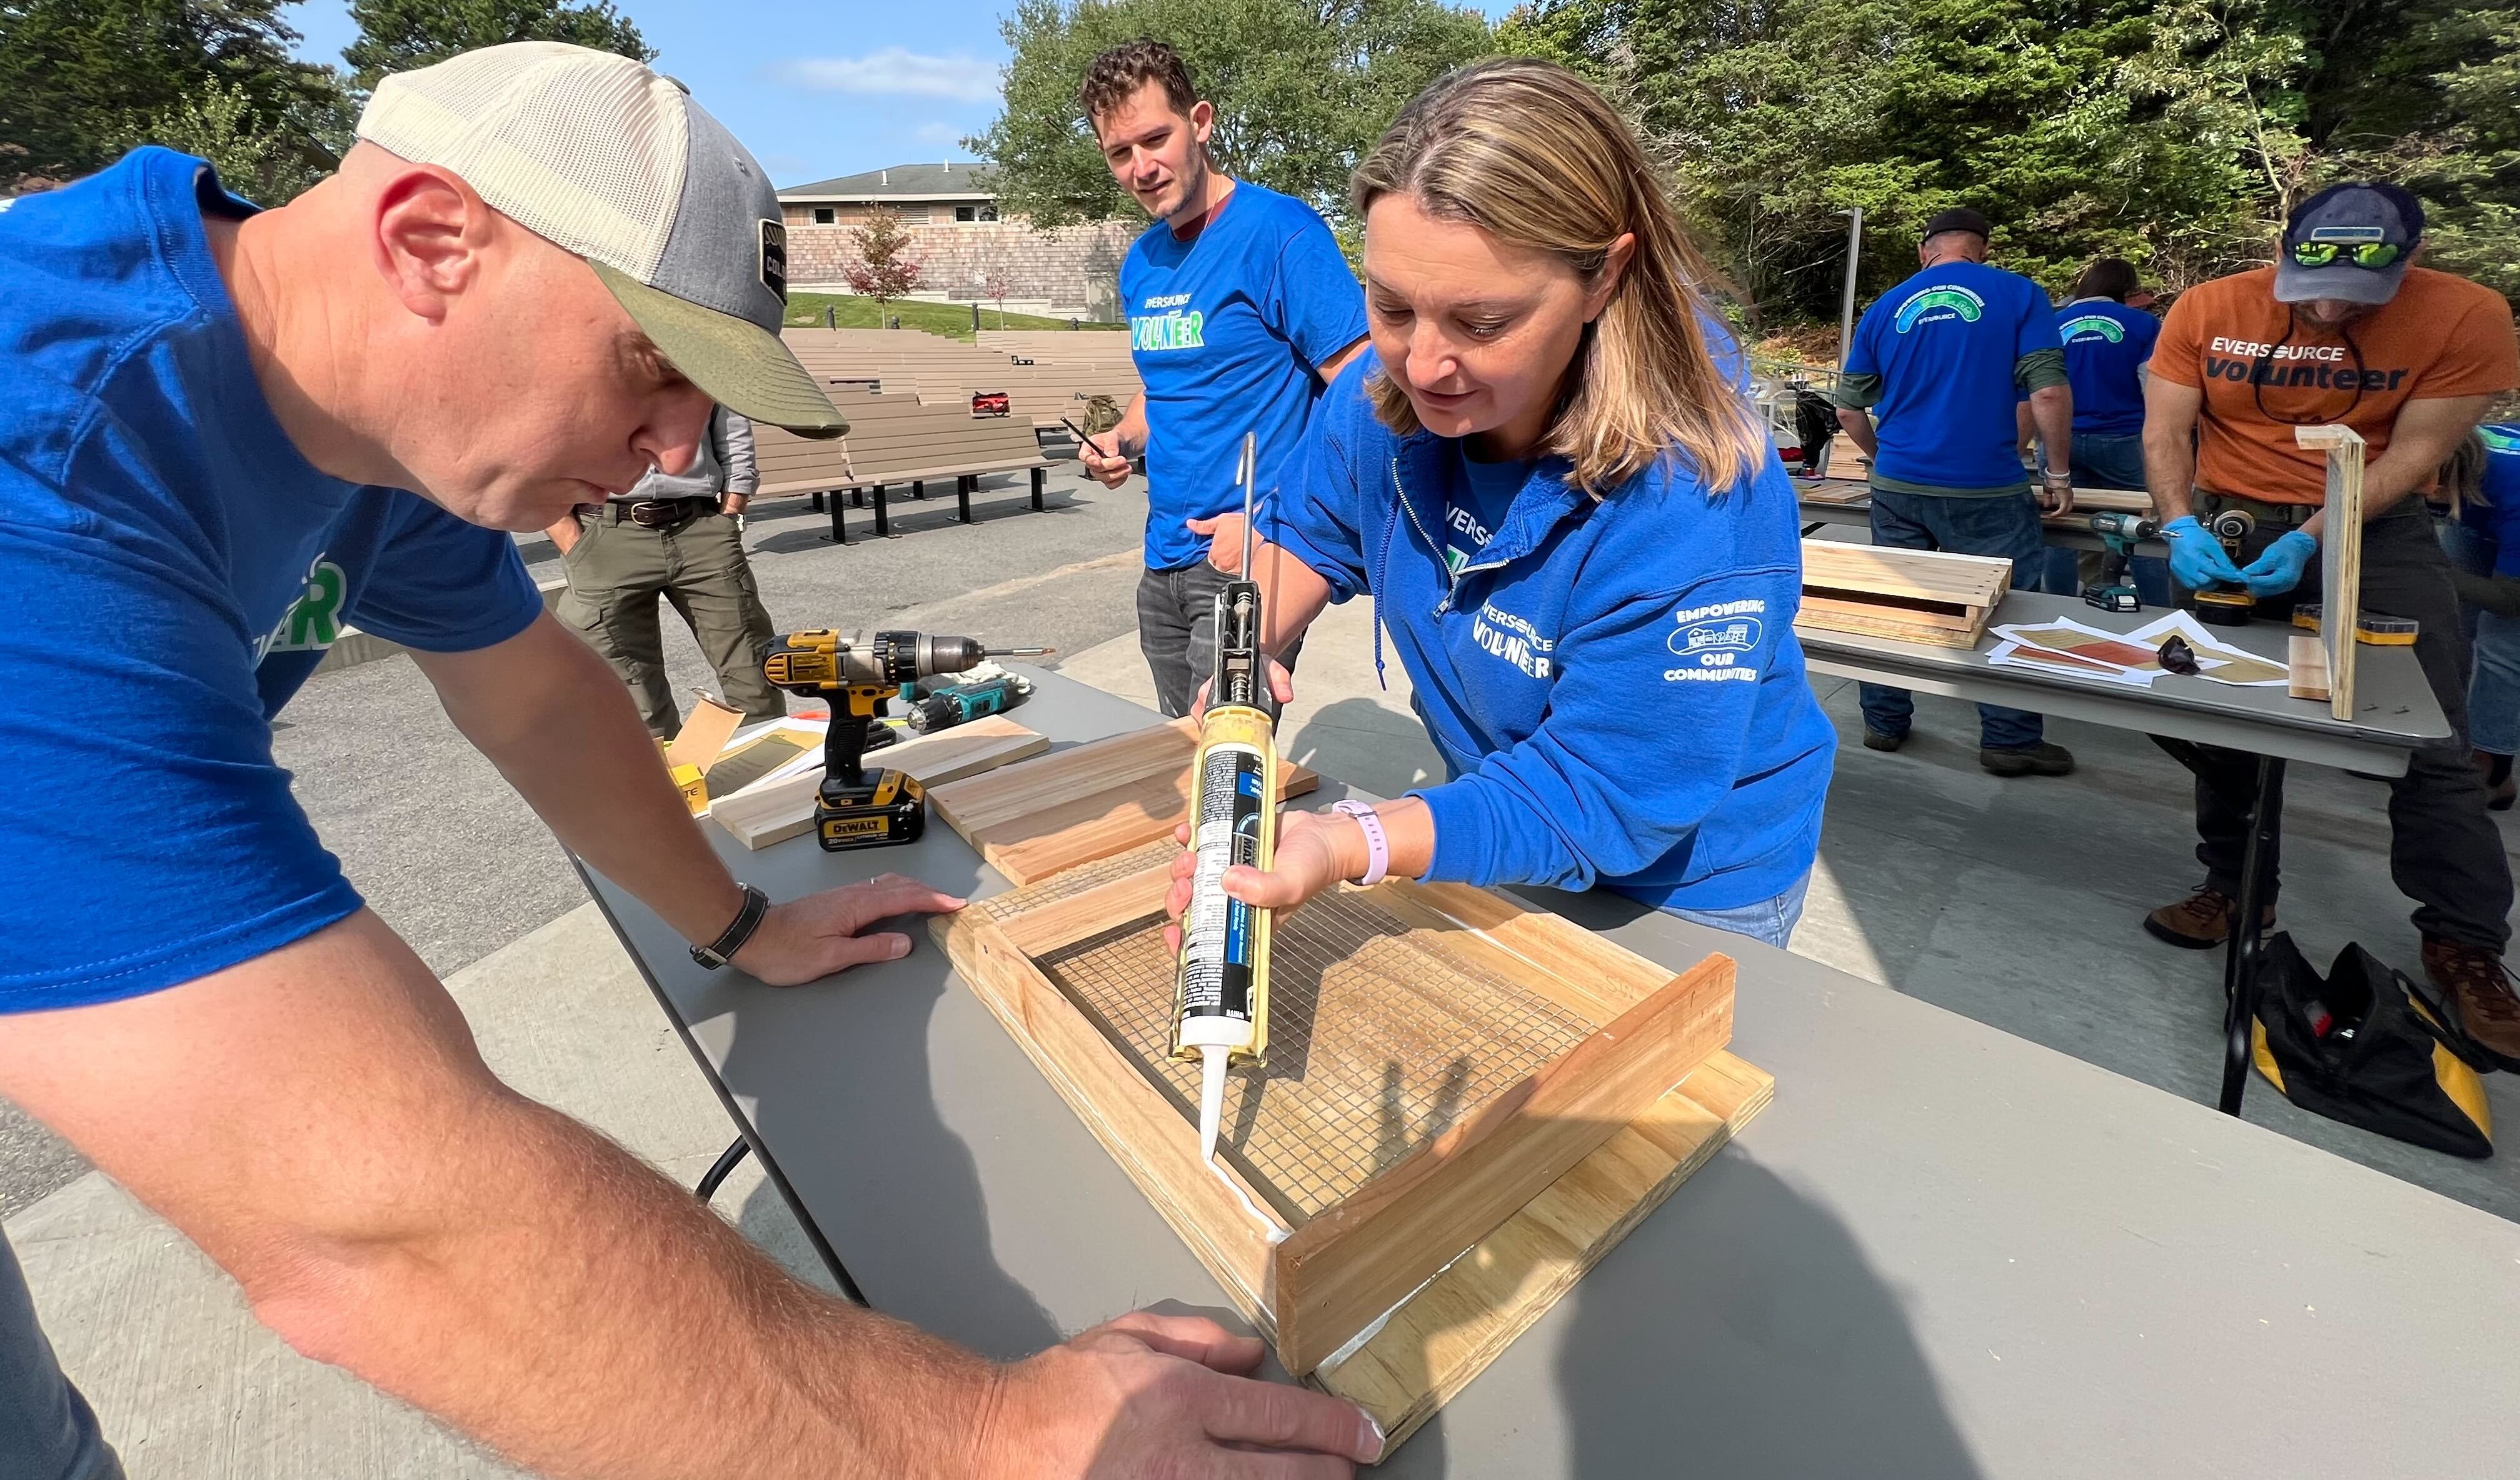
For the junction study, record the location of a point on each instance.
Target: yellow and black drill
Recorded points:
(859, 808)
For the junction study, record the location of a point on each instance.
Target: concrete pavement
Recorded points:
(2015, 902)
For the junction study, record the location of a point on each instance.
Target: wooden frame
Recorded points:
(773, 812)
(2340, 570)
(1373, 1296)
(1917, 596)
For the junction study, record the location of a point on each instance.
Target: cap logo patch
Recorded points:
(774, 259)
(2348, 234)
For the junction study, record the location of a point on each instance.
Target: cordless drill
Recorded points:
(859, 808)
(2121, 533)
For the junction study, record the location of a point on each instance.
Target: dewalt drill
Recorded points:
(859, 808)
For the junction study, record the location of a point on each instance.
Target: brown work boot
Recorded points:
(2478, 992)
(2200, 922)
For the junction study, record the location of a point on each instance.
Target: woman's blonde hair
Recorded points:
(1530, 154)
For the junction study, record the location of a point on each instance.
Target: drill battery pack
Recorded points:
(886, 809)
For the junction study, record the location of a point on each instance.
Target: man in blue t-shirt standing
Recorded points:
(2107, 345)
(1241, 311)
(1939, 360)
(226, 433)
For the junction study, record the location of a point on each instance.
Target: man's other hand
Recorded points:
(1281, 687)
(1103, 460)
(1163, 1395)
(808, 939)
(1224, 536)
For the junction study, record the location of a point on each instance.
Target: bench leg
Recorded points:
(816, 505)
(918, 489)
(882, 525)
(962, 487)
(1038, 474)
(857, 496)
(839, 523)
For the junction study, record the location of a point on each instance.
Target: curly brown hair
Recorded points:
(1115, 76)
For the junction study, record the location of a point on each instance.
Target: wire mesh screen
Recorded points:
(1379, 1038)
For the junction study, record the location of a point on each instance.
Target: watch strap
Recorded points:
(1377, 844)
(719, 952)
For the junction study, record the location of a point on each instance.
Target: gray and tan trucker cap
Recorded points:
(613, 163)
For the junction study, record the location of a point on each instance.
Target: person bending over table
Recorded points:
(1547, 479)
(223, 433)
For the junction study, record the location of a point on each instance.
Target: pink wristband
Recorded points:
(1377, 844)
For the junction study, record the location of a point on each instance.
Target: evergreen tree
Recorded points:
(397, 36)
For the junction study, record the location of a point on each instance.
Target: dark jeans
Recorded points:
(2445, 852)
(47, 1431)
(1176, 632)
(2102, 461)
(1999, 527)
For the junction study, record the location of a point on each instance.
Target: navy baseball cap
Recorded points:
(1958, 219)
(2350, 242)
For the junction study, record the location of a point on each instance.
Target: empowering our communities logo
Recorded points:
(2092, 324)
(1935, 305)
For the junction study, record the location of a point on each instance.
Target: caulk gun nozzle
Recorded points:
(1211, 1099)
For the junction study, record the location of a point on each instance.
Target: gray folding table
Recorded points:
(1942, 1252)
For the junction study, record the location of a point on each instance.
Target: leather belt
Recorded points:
(657, 514)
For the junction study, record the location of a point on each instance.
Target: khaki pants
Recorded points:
(615, 573)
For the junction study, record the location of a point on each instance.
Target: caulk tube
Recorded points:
(1221, 997)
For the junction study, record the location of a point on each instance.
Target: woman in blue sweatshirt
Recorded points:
(1547, 479)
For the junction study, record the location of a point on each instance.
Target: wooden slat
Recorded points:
(1956, 620)
(1347, 1266)
(1079, 916)
(1933, 574)
(2306, 663)
(1447, 1333)
(1896, 631)
(2340, 574)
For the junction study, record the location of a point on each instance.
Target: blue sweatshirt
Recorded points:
(1613, 684)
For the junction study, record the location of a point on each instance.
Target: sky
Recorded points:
(815, 90)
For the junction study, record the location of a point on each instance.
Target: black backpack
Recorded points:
(2361, 1044)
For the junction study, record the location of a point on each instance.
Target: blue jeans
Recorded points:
(2105, 461)
(2006, 527)
(47, 1430)
(1770, 922)
(2494, 686)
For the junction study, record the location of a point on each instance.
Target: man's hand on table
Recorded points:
(808, 939)
(1163, 1395)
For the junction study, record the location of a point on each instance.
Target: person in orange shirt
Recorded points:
(2343, 329)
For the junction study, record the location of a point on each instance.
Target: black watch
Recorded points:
(719, 952)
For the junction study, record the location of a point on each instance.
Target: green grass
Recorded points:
(952, 320)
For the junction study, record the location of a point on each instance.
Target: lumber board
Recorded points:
(2306, 659)
(1448, 1332)
(785, 808)
(2340, 570)
(1349, 1264)
(1962, 620)
(1884, 627)
(1104, 907)
(1085, 803)
(1969, 580)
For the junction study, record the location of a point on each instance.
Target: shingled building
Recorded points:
(959, 241)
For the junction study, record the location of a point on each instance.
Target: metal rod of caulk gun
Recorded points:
(1248, 474)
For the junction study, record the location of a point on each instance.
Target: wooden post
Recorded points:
(2340, 566)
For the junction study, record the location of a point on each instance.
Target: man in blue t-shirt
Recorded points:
(1938, 360)
(2107, 345)
(1241, 310)
(225, 434)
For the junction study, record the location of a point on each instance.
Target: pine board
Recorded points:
(1453, 990)
(1914, 596)
(1085, 803)
(2340, 570)
(785, 808)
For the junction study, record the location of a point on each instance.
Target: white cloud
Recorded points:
(898, 69)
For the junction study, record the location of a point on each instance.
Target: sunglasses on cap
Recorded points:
(2374, 255)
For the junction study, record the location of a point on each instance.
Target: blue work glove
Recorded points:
(2197, 560)
(2278, 570)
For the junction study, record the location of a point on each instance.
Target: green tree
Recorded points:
(397, 36)
(1301, 90)
(219, 124)
(82, 80)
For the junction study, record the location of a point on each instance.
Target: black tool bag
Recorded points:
(2361, 1045)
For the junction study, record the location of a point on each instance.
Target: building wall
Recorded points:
(1070, 270)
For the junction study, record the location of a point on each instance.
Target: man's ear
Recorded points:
(1202, 120)
(1614, 266)
(430, 233)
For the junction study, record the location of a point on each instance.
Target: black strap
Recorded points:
(720, 951)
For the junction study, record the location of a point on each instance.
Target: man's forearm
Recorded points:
(1291, 594)
(1859, 430)
(560, 726)
(2169, 472)
(1129, 438)
(2054, 413)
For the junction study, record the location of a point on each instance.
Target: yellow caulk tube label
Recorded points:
(1221, 997)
